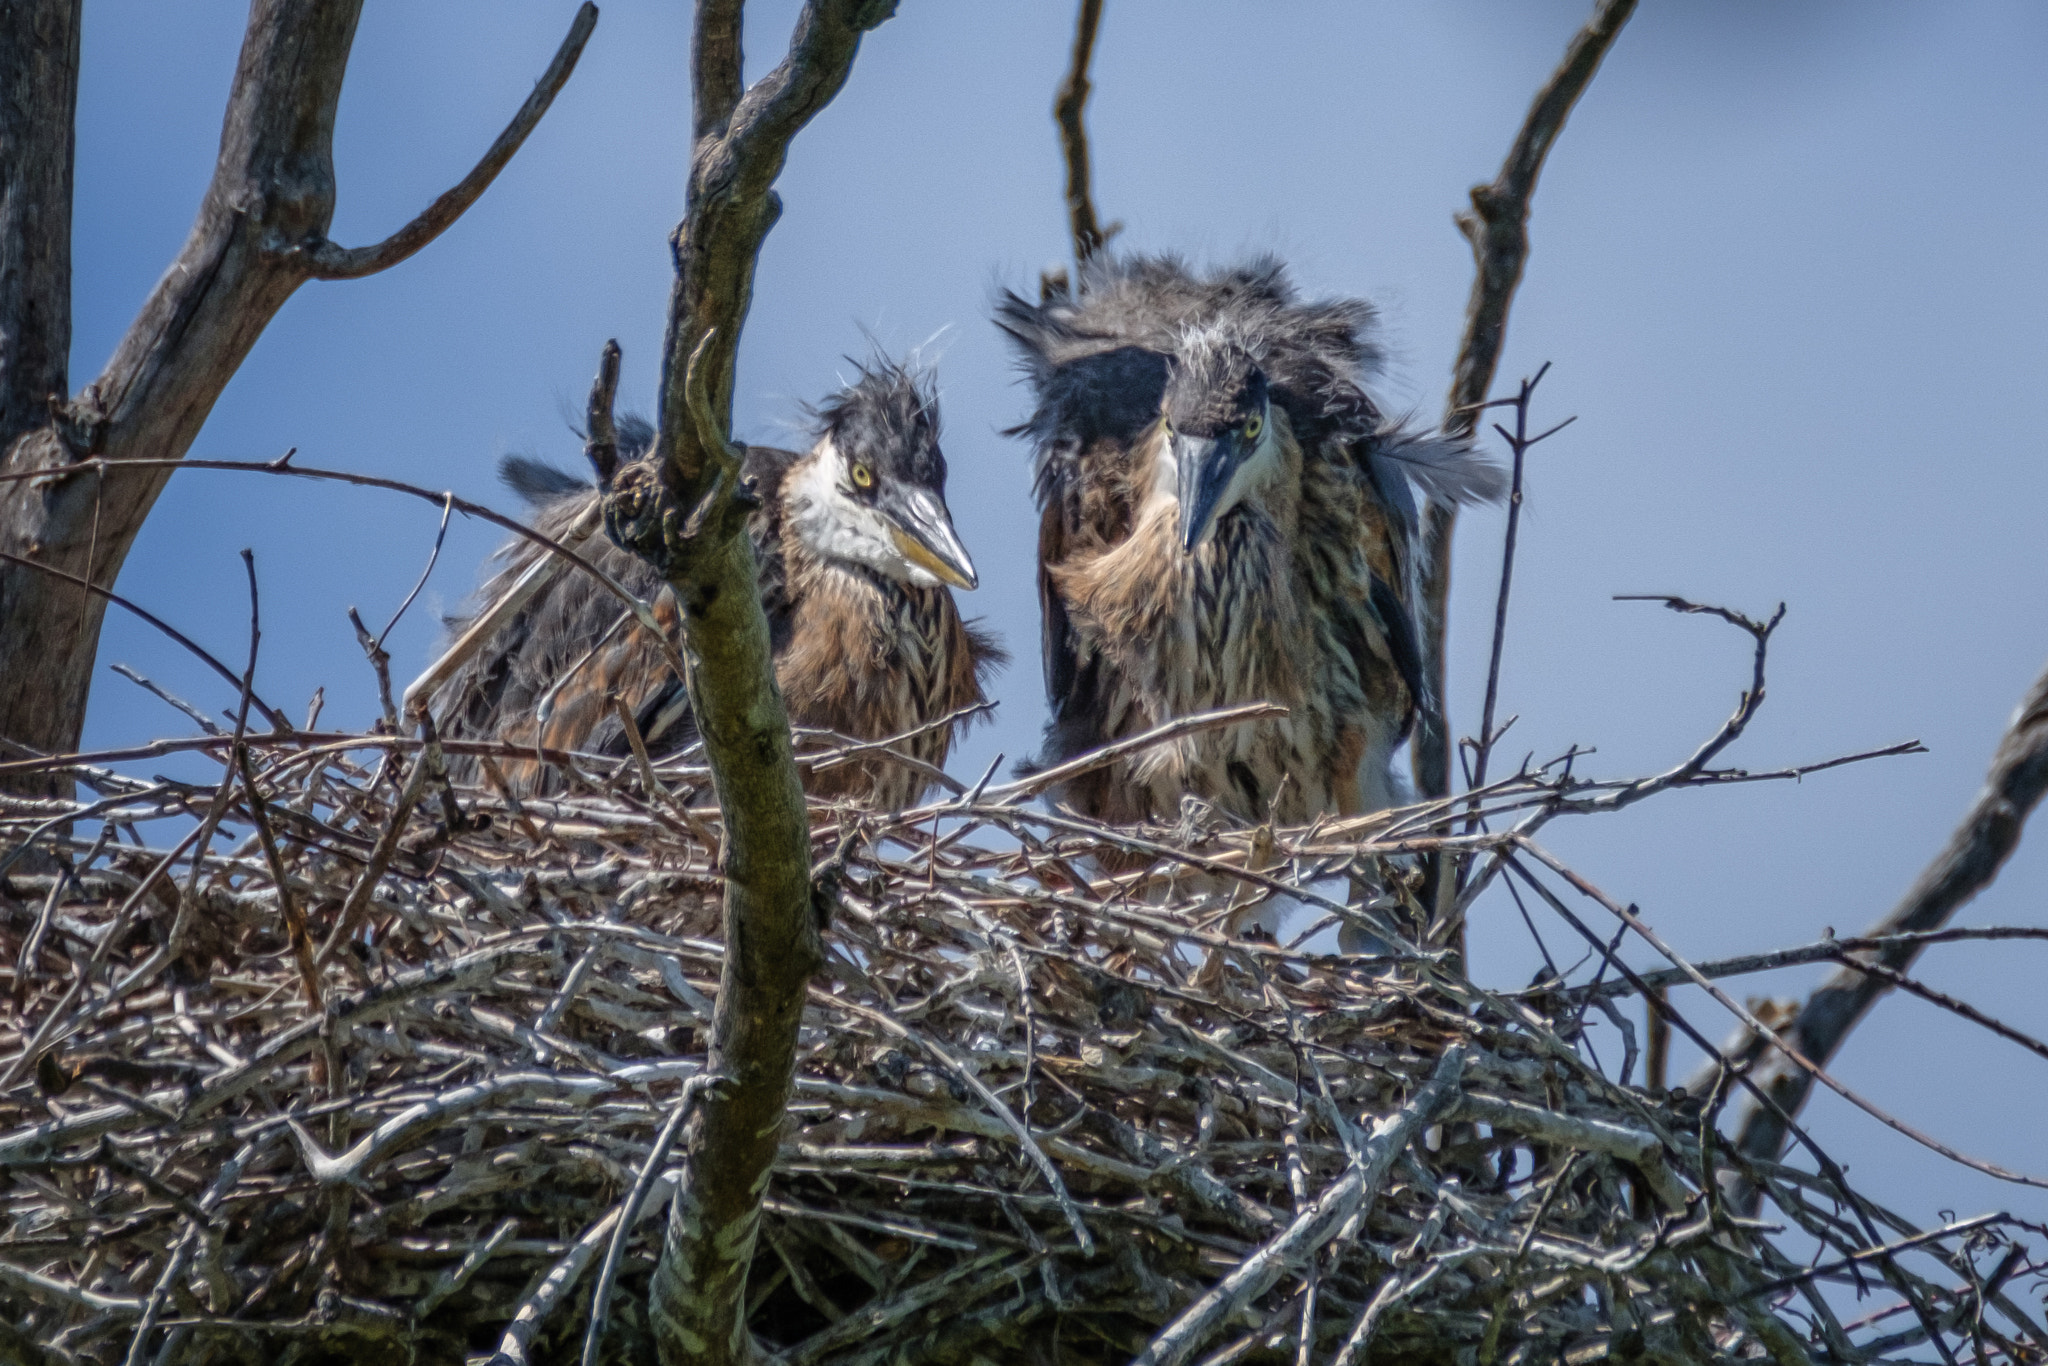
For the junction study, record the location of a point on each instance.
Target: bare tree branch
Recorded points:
(333, 262)
(1498, 228)
(261, 231)
(1068, 110)
(1974, 854)
(1808, 1067)
(682, 510)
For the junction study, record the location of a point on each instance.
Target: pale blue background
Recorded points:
(1788, 262)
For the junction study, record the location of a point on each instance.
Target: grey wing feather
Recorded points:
(536, 481)
(500, 688)
(1398, 626)
(1446, 469)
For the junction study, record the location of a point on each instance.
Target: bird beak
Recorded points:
(923, 532)
(1205, 465)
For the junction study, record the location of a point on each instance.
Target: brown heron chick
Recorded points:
(1226, 517)
(857, 558)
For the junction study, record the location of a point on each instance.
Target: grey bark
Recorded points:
(39, 73)
(261, 232)
(682, 510)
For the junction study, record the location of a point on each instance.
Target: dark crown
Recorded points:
(888, 417)
(1212, 382)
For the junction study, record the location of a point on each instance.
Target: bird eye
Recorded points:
(1253, 425)
(863, 477)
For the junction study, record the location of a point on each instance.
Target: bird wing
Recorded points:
(566, 651)
(575, 647)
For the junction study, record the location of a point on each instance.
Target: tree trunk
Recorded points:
(39, 78)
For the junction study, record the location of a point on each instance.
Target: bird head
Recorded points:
(874, 492)
(1217, 417)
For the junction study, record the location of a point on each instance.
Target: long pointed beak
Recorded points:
(923, 532)
(1205, 465)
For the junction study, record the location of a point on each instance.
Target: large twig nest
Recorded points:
(1042, 1114)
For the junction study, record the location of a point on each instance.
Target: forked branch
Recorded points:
(331, 261)
(260, 233)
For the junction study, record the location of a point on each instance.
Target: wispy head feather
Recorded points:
(891, 410)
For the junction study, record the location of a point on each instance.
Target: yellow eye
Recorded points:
(863, 477)
(1253, 425)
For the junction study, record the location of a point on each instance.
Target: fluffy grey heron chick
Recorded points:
(857, 562)
(1225, 517)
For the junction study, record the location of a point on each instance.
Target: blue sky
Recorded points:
(1788, 267)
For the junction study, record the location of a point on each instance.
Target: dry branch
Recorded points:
(1498, 229)
(331, 261)
(1974, 854)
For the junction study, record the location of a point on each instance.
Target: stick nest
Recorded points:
(1042, 1113)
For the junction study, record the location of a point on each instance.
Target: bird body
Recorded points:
(856, 557)
(1225, 518)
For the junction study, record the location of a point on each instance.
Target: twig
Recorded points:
(276, 718)
(974, 1083)
(1820, 951)
(199, 718)
(456, 1277)
(357, 907)
(629, 1213)
(1177, 729)
(294, 918)
(493, 619)
(1520, 443)
(433, 556)
(1874, 1254)
(1777, 1040)
(642, 613)
(174, 1268)
(1498, 229)
(561, 1279)
(1256, 1274)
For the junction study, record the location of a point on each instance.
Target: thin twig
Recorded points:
(1498, 229)
(629, 1213)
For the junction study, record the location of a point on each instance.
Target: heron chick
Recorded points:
(857, 558)
(1225, 517)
